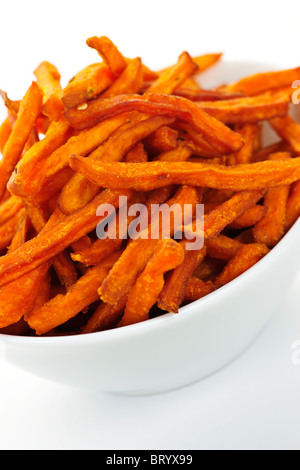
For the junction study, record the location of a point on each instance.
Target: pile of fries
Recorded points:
(119, 129)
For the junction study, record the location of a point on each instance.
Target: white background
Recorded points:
(255, 402)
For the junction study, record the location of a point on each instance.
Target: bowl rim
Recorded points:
(151, 325)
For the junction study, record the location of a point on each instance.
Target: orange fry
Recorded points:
(246, 257)
(173, 293)
(248, 110)
(153, 175)
(109, 52)
(167, 256)
(87, 84)
(48, 79)
(293, 205)
(173, 77)
(130, 80)
(5, 131)
(222, 247)
(54, 240)
(196, 289)
(137, 253)
(27, 174)
(263, 82)
(219, 136)
(288, 130)
(63, 307)
(30, 109)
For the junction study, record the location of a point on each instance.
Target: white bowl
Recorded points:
(173, 350)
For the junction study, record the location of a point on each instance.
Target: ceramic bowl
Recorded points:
(173, 350)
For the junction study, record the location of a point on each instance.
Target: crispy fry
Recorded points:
(48, 79)
(293, 205)
(30, 109)
(249, 133)
(172, 294)
(222, 247)
(180, 154)
(63, 307)
(153, 175)
(136, 255)
(173, 77)
(271, 228)
(137, 154)
(207, 60)
(9, 208)
(249, 218)
(162, 140)
(196, 289)
(214, 132)
(8, 229)
(130, 80)
(106, 316)
(109, 52)
(150, 283)
(87, 84)
(20, 235)
(22, 182)
(263, 82)
(79, 191)
(246, 257)
(54, 240)
(288, 130)
(5, 131)
(248, 110)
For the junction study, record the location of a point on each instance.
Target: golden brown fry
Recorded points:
(109, 52)
(63, 307)
(173, 77)
(130, 80)
(153, 175)
(30, 109)
(167, 256)
(54, 240)
(246, 257)
(48, 79)
(263, 82)
(219, 136)
(173, 293)
(248, 110)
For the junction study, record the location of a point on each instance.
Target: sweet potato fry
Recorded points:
(144, 294)
(162, 140)
(263, 82)
(222, 247)
(20, 235)
(136, 255)
(48, 79)
(87, 85)
(105, 316)
(79, 191)
(288, 130)
(137, 154)
(54, 240)
(27, 174)
(63, 307)
(30, 109)
(248, 110)
(293, 205)
(173, 77)
(130, 80)
(200, 146)
(8, 229)
(9, 208)
(249, 218)
(207, 60)
(180, 154)
(153, 175)
(196, 289)
(173, 292)
(206, 95)
(81, 144)
(249, 132)
(5, 131)
(17, 297)
(214, 132)
(246, 257)
(109, 52)
(271, 228)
